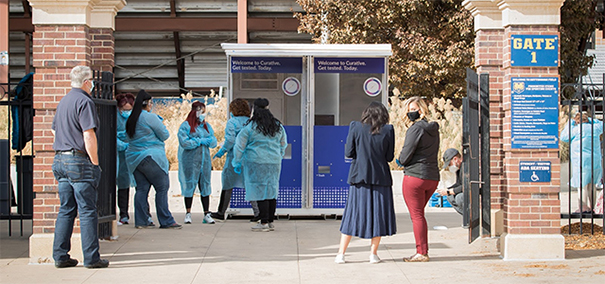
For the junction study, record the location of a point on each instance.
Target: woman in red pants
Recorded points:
(419, 160)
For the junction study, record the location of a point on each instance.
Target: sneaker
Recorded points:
(340, 258)
(102, 263)
(218, 217)
(271, 226)
(260, 228)
(124, 220)
(66, 263)
(187, 218)
(374, 259)
(208, 219)
(255, 219)
(173, 226)
(417, 258)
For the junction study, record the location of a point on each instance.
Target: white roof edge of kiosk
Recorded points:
(334, 50)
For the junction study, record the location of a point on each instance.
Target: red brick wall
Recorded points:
(529, 208)
(488, 59)
(56, 50)
(102, 44)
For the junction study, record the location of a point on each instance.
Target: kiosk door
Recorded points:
(344, 87)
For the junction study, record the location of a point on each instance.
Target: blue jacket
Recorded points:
(371, 154)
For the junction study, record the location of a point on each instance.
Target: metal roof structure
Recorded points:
(150, 35)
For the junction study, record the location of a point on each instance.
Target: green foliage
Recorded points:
(432, 41)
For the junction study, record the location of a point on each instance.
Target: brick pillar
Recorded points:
(530, 210)
(102, 44)
(489, 43)
(56, 50)
(63, 38)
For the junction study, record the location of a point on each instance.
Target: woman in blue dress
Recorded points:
(259, 149)
(239, 113)
(369, 212)
(195, 166)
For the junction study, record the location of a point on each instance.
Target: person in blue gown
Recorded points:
(146, 159)
(258, 150)
(239, 113)
(196, 137)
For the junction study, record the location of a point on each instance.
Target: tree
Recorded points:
(432, 41)
(579, 20)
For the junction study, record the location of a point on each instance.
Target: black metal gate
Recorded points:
(106, 136)
(475, 155)
(19, 119)
(585, 153)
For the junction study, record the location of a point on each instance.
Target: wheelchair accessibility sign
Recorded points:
(534, 171)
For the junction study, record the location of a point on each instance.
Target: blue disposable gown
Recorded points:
(260, 156)
(123, 178)
(148, 140)
(230, 178)
(195, 163)
(591, 152)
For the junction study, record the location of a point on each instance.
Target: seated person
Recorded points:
(452, 160)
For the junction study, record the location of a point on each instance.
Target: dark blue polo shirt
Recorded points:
(75, 114)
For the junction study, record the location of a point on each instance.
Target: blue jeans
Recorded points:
(149, 173)
(78, 181)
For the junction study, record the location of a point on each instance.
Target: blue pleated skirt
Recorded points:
(369, 212)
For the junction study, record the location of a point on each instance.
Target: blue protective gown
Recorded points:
(195, 163)
(148, 140)
(123, 178)
(230, 178)
(260, 156)
(591, 152)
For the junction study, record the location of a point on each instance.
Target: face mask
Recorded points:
(125, 113)
(201, 116)
(92, 86)
(413, 115)
(453, 169)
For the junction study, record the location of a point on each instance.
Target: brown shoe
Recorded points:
(417, 258)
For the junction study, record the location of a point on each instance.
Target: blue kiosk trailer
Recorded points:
(315, 90)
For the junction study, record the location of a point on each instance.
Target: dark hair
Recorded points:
(266, 123)
(239, 107)
(124, 98)
(192, 117)
(376, 115)
(131, 124)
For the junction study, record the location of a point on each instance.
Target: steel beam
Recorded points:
(154, 24)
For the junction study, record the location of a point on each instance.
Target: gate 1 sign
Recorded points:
(535, 113)
(532, 171)
(534, 50)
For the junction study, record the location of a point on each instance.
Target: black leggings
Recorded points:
(225, 200)
(205, 203)
(267, 210)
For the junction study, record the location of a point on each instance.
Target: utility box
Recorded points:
(315, 90)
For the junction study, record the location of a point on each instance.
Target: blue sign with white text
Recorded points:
(349, 65)
(535, 113)
(534, 50)
(532, 171)
(266, 65)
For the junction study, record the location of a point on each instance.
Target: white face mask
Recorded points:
(453, 169)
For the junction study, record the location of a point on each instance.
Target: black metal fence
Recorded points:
(17, 98)
(583, 131)
(103, 96)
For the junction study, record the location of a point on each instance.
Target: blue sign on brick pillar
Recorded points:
(534, 171)
(535, 113)
(534, 50)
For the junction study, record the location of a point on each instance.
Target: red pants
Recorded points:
(416, 194)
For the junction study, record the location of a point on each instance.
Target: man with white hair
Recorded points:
(76, 168)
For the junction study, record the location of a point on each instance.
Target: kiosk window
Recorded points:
(259, 81)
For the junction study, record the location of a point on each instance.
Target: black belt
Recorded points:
(72, 152)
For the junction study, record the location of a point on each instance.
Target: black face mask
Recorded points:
(413, 115)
